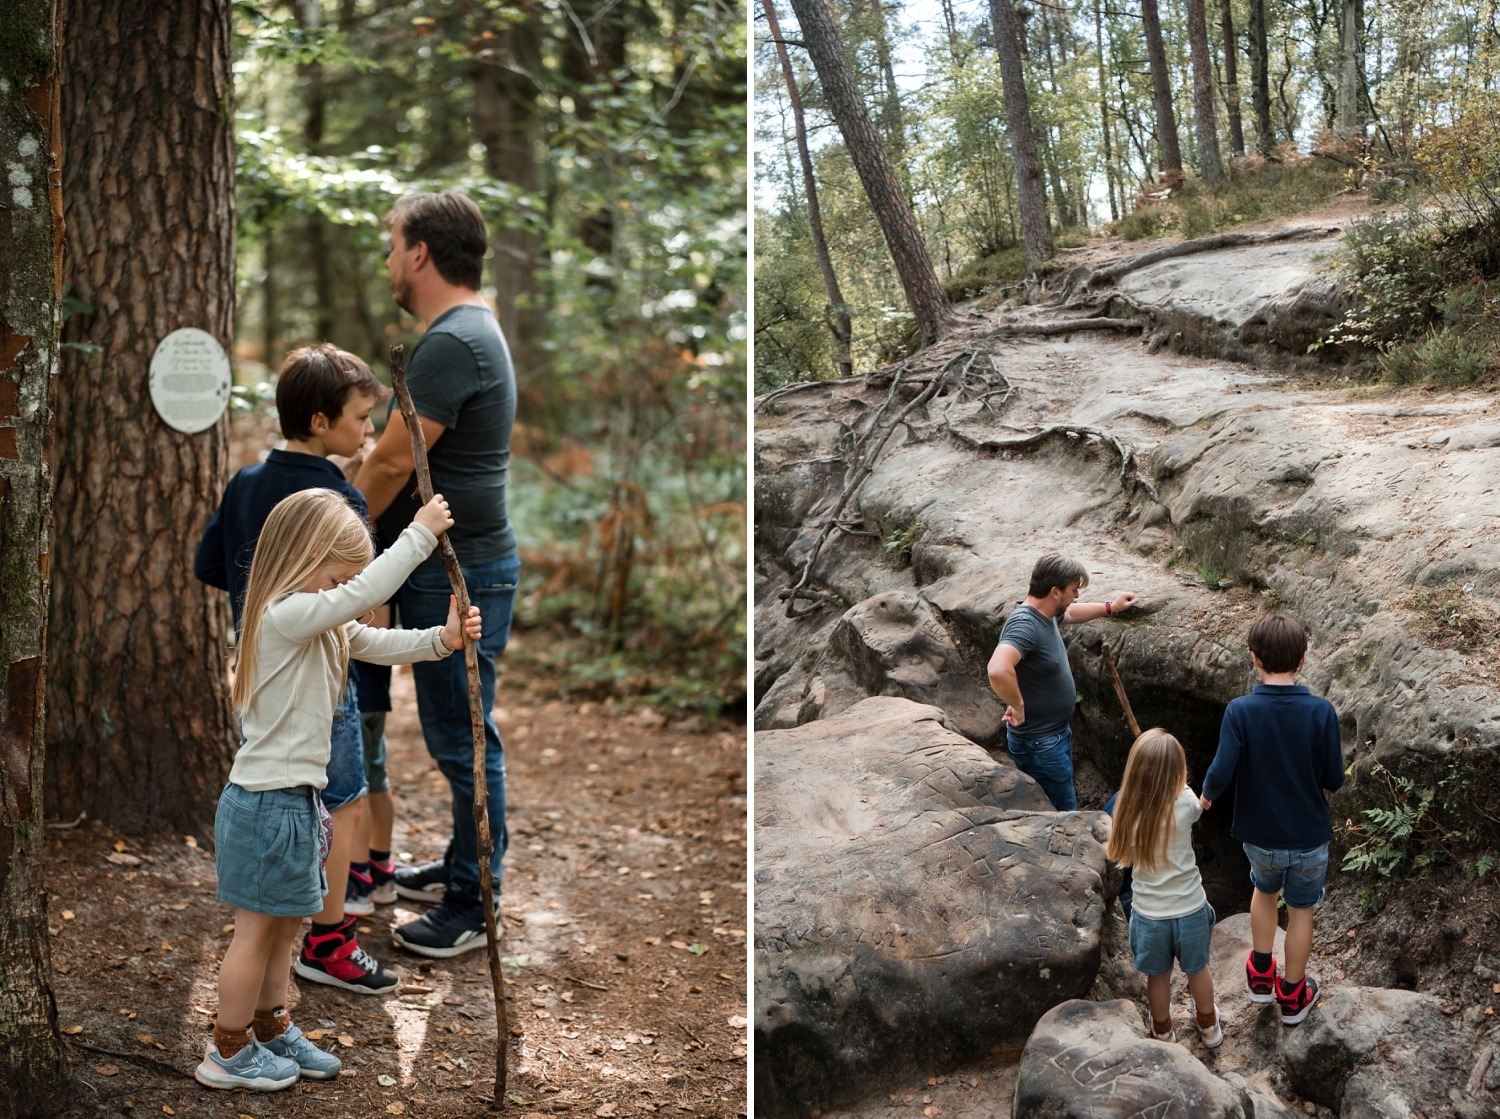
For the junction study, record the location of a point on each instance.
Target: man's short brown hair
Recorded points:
(1279, 641)
(451, 227)
(316, 379)
(1053, 570)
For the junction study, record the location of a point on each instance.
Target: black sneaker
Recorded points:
(337, 960)
(428, 882)
(451, 927)
(1296, 1001)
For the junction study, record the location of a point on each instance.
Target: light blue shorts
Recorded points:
(266, 849)
(1300, 873)
(346, 753)
(1155, 944)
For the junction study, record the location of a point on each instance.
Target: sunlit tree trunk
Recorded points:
(838, 314)
(1110, 178)
(1205, 126)
(1231, 79)
(1260, 76)
(31, 228)
(1351, 65)
(908, 252)
(140, 730)
(1036, 233)
(1161, 86)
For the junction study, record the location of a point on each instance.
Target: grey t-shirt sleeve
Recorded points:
(1021, 631)
(442, 378)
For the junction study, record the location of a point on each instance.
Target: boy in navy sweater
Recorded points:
(1282, 745)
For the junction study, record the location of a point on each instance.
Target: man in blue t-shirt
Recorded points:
(464, 390)
(1029, 671)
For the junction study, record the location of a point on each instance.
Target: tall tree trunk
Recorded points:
(1206, 127)
(1036, 234)
(31, 228)
(892, 123)
(140, 730)
(838, 310)
(1110, 181)
(1260, 76)
(506, 122)
(315, 115)
(908, 253)
(1231, 79)
(1351, 60)
(270, 298)
(1161, 86)
(591, 54)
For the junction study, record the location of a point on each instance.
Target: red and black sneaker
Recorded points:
(1260, 984)
(383, 875)
(337, 960)
(1296, 1001)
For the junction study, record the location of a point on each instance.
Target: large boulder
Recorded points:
(915, 901)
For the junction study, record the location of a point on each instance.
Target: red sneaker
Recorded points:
(337, 960)
(1296, 1001)
(1260, 984)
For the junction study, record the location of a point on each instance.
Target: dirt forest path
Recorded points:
(624, 938)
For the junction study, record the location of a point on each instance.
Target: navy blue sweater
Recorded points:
(1281, 746)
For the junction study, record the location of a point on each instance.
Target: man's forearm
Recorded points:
(380, 480)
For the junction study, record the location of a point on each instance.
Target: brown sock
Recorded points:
(1162, 1027)
(270, 1024)
(1205, 1021)
(228, 1041)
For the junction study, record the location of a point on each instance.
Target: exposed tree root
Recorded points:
(1130, 476)
(1066, 326)
(1203, 245)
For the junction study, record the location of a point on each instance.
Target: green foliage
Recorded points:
(898, 543)
(1401, 839)
(1451, 616)
(1397, 274)
(1253, 190)
(1001, 269)
(1447, 356)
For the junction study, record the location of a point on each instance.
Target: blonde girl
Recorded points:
(310, 579)
(1170, 917)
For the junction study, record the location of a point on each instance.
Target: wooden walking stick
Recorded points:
(476, 721)
(1114, 678)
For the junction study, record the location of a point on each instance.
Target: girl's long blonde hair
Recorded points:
(1155, 773)
(305, 531)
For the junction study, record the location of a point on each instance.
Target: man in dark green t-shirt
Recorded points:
(464, 390)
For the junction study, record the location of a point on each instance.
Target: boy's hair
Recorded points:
(1155, 773)
(1279, 641)
(1053, 570)
(316, 379)
(453, 230)
(304, 531)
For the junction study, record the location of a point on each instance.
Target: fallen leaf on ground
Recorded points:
(68, 914)
(167, 1108)
(191, 841)
(145, 1039)
(107, 1070)
(606, 1111)
(395, 1108)
(120, 859)
(72, 1029)
(315, 1035)
(738, 1021)
(346, 1040)
(385, 1081)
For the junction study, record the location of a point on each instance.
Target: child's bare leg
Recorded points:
(382, 820)
(1201, 984)
(278, 966)
(345, 825)
(1263, 920)
(1298, 945)
(1159, 999)
(243, 972)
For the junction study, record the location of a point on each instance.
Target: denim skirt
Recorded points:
(266, 850)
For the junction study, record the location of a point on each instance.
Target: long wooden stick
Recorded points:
(1114, 678)
(476, 721)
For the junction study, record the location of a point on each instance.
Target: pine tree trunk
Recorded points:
(1110, 183)
(31, 1060)
(1036, 234)
(1260, 76)
(1205, 126)
(892, 123)
(140, 730)
(1350, 65)
(908, 253)
(1161, 85)
(1231, 79)
(505, 123)
(838, 311)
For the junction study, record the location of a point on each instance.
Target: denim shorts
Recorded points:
(1048, 761)
(1155, 944)
(266, 851)
(346, 754)
(372, 732)
(1300, 873)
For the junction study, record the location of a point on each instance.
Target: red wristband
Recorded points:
(1109, 610)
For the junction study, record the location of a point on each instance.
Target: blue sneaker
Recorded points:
(254, 1067)
(315, 1063)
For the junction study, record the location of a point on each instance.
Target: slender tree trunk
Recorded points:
(1036, 233)
(315, 114)
(1206, 127)
(1110, 181)
(1231, 78)
(270, 300)
(1350, 66)
(1260, 76)
(506, 123)
(908, 253)
(1161, 85)
(140, 730)
(31, 227)
(892, 123)
(838, 310)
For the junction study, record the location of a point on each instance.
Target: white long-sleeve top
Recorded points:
(1175, 888)
(288, 721)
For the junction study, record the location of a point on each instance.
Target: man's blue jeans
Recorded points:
(1049, 761)
(443, 706)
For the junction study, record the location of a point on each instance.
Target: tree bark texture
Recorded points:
(1351, 65)
(1105, 125)
(506, 123)
(908, 252)
(1231, 78)
(1036, 233)
(1206, 127)
(140, 732)
(31, 230)
(1161, 85)
(838, 311)
(1260, 75)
